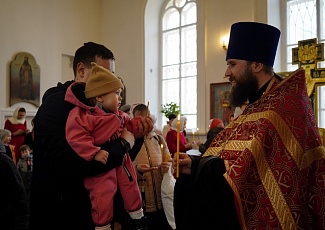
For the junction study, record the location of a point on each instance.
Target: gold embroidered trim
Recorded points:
(294, 148)
(270, 184)
(237, 195)
(313, 154)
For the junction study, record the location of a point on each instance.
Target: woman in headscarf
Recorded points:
(18, 127)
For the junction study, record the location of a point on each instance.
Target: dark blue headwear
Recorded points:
(252, 41)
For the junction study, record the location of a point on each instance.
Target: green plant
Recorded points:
(169, 108)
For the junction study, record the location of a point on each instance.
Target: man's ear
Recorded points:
(257, 67)
(80, 70)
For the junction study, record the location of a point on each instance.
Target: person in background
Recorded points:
(59, 199)
(168, 126)
(151, 162)
(263, 171)
(171, 137)
(18, 127)
(5, 137)
(14, 212)
(239, 109)
(29, 138)
(215, 127)
(99, 121)
(126, 109)
(231, 117)
(25, 168)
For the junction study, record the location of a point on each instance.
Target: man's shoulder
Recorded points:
(59, 89)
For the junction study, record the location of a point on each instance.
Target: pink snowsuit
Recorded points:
(86, 129)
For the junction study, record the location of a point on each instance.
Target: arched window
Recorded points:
(179, 57)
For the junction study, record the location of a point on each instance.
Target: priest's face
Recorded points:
(244, 82)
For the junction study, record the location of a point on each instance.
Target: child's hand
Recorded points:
(102, 156)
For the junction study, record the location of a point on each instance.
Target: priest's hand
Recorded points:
(185, 163)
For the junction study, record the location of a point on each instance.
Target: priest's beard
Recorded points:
(246, 86)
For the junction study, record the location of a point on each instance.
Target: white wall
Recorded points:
(46, 29)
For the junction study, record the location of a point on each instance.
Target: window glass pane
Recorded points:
(171, 19)
(290, 66)
(322, 19)
(189, 95)
(188, 45)
(301, 21)
(170, 91)
(170, 72)
(321, 106)
(189, 14)
(189, 69)
(191, 125)
(322, 97)
(171, 47)
(180, 3)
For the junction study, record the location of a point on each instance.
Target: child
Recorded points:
(94, 121)
(25, 167)
(150, 163)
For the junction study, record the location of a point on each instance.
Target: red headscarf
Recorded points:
(216, 122)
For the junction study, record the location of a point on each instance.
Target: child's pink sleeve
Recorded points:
(132, 125)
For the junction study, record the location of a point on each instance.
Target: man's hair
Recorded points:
(87, 53)
(23, 148)
(267, 69)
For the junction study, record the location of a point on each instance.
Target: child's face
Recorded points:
(111, 101)
(25, 153)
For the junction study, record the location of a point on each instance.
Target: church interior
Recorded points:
(51, 31)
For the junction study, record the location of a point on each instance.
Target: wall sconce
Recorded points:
(224, 40)
(224, 46)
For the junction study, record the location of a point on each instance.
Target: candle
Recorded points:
(148, 108)
(193, 136)
(162, 155)
(162, 152)
(177, 149)
(198, 135)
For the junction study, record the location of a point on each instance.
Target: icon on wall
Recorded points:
(24, 80)
(220, 106)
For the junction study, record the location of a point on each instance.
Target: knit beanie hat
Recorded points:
(101, 82)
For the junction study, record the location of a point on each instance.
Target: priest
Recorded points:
(265, 170)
